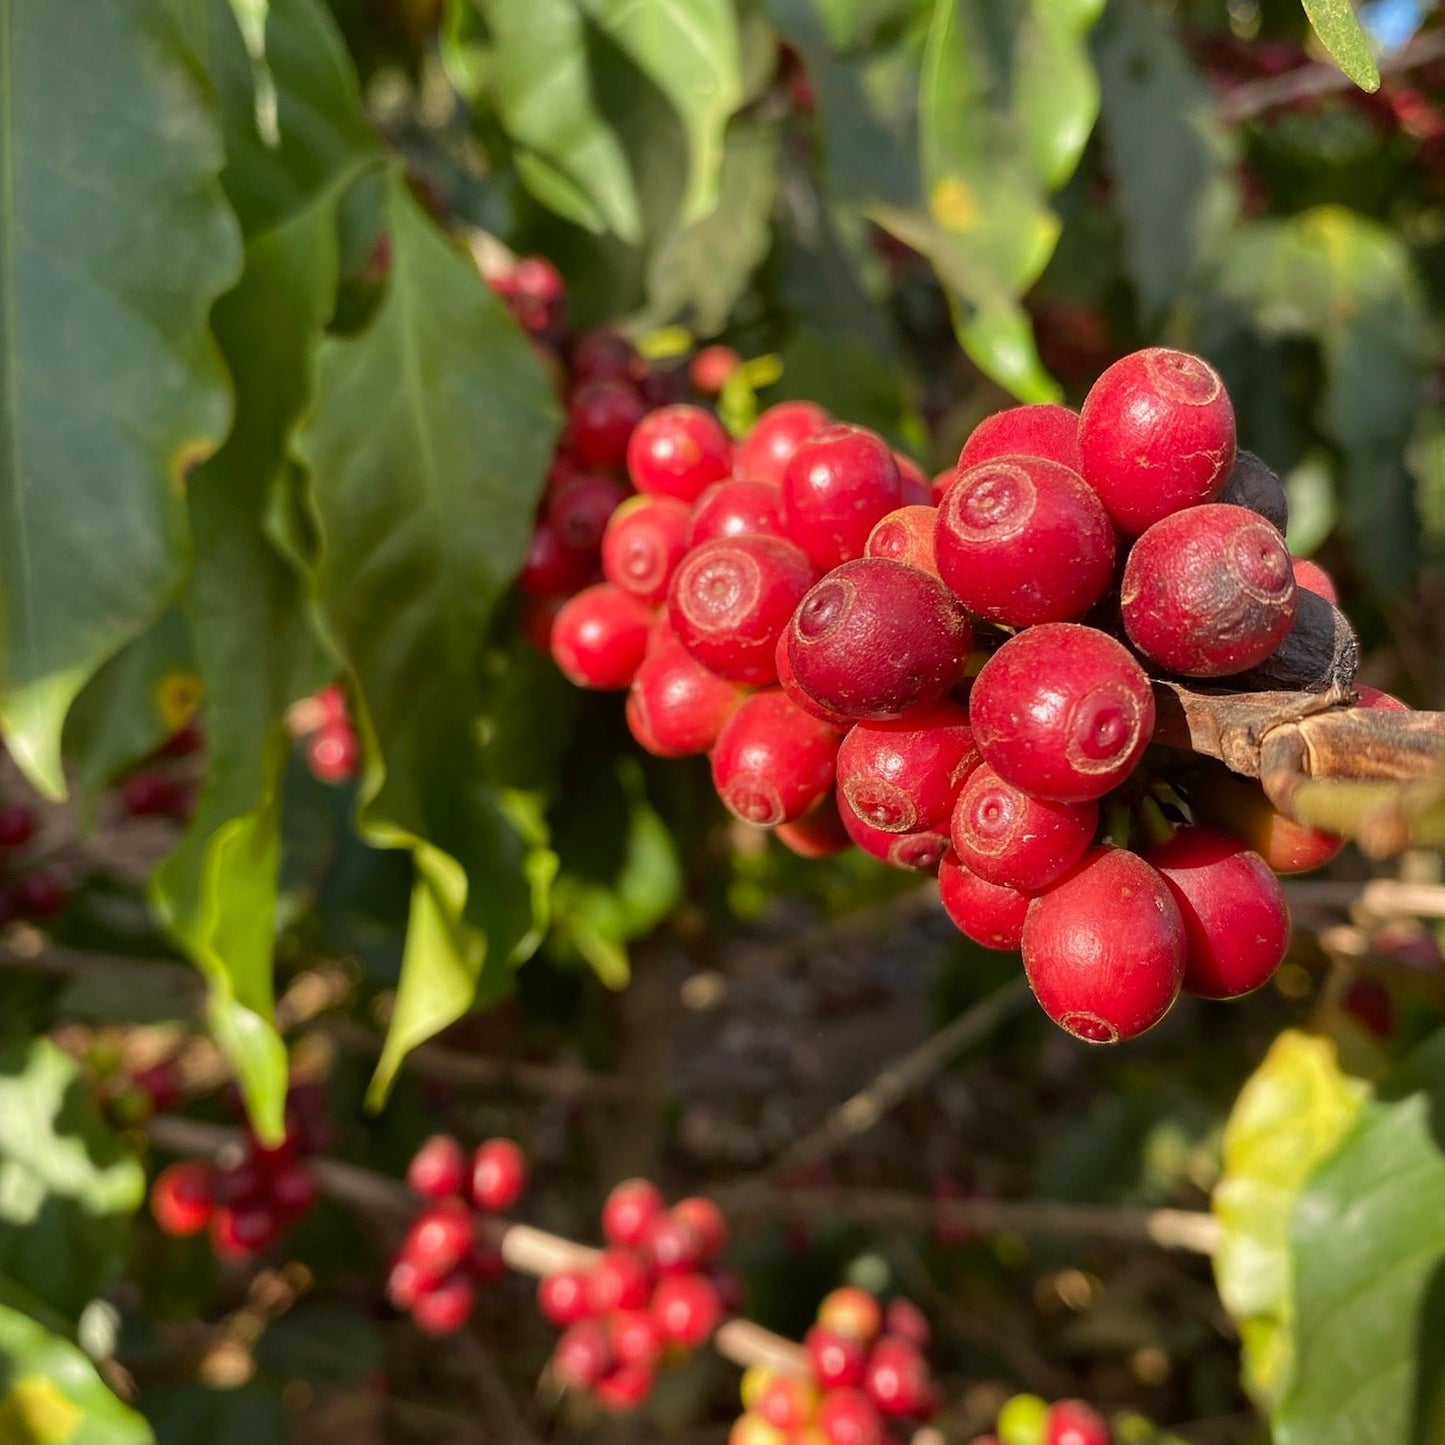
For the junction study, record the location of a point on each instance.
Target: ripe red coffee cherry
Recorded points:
(583, 1355)
(1373, 698)
(916, 488)
(149, 795)
(18, 825)
(241, 1232)
(837, 487)
(1062, 711)
(991, 914)
(485, 1263)
(897, 1378)
(712, 367)
(906, 536)
(1104, 948)
(1208, 591)
(635, 1337)
(626, 1388)
(851, 1312)
(293, 1190)
(904, 777)
(678, 706)
(1010, 838)
(620, 1280)
(599, 637)
(1157, 435)
(182, 1197)
(601, 418)
(787, 1402)
(1043, 430)
(1023, 540)
(438, 1168)
(404, 1283)
(920, 851)
(706, 1220)
(678, 451)
(1241, 809)
(333, 751)
(819, 833)
(772, 762)
(445, 1308)
(552, 568)
(685, 1309)
(672, 1244)
(499, 1175)
(849, 1417)
(837, 1361)
(562, 1297)
(1313, 578)
(904, 1319)
(875, 639)
(731, 599)
(579, 509)
(628, 1210)
(1236, 920)
(776, 435)
(739, 508)
(1072, 1422)
(440, 1238)
(645, 540)
(799, 698)
(603, 354)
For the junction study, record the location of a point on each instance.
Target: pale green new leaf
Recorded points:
(1340, 32)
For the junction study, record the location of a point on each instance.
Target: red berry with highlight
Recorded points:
(787, 1402)
(849, 1417)
(1062, 711)
(645, 540)
(1023, 540)
(1104, 948)
(562, 1297)
(706, 1220)
(183, 1197)
(619, 1280)
(672, 1244)
(600, 636)
(772, 761)
(579, 510)
(601, 419)
(333, 751)
(875, 639)
(1072, 1422)
(731, 599)
(635, 1337)
(904, 777)
(438, 1168)
(1208, 591)
(711, 368)
(1236, 920)
(584, 1354)
(552, 568)
(1157, 435)
(836, 488)
(499, 1175)
(629, 1209)
(440, 1238)
(1010, 838)
(677, 705)
(678, 451)
(906, 536)
(765, 452)
(738, 508)
(897, 1378)
(851, 1312)
(686, 1310)
(446, 1307)
(836, 1359)
(991, 914)
(1044, 430)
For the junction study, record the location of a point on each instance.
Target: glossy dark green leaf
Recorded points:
(1368, 1244)
(115, 239)
(52, 1395)
(1170, 158)
(427, 448)
(1340, 32)
(67, 1186)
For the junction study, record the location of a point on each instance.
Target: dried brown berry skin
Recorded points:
(1209, 591)
(1254, 484)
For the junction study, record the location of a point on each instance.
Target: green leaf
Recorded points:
(67, 1186)
(427, 448)
(1368, 1240)
(1291, 1113)
(52, 1395)
(1340, 32)
(114, 242)
(1350, 284)
(1170, 158)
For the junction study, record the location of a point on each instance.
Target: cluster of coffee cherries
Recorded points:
(323, 723)
(656, 1292)
(446, 1255)
(1029, 1420)
(162, 786)
(868, 1373)
(951, 676)
(29, 889)
(249, 1196)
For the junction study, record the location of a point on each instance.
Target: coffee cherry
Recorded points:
(1236, 920)
(149, 795)
(626, 1388)
(1104, 948)
(1157, 435)
(333, 751)
(1372, 699)
(903, 1318)
(579, 510)
(903, 777)
(635, 1337)
(1043, 430)
(601, 418)
(1072, 1422)
(1062, 711)
(245, 1182)
(18, 825)
(1252, 484)
(853, 1313)
(837, 486)
(182, 1197)
(499, 1175)
(1208, 591)
(1022, 540)
(819, 833)
(991, 914)
(706, 1220)
(849, 1417)
(628, 1210)
(1313, 578)
(787, 1402)
(678, 451)
(731, 599)
(603, 355)
(676, 705)
(765, 452)
(562, 1297)
(619, 1280)
(906, 536)
(875, 639)
(440, 1237)
(438, 1168)
(552, 568)
(920, 851)
(445, 1308)
(915, 488)
(738, 508)
(404, 1283)
(754, 1430)
(836, 1360)
(685, 1310)
(599, 637)
(1368, 1001)
(797, 696)
(645, 540)
(897, 1378)
(485, 1263)
(293, 1190)
(1241, 809)
(711, 368)
(772, 762)
(1009, 838)
(584, 1354)
(672, 1244)
(242, 1232)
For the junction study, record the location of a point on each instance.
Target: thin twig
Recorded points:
(492, 1392)
(1377, 897)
